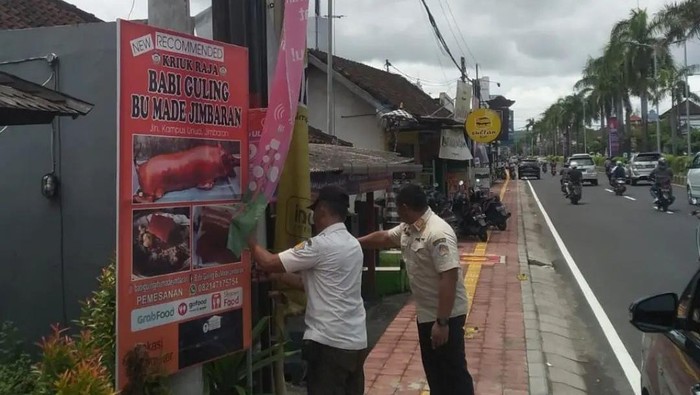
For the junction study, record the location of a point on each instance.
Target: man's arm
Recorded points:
(292, 280)
(447, 291)
(266, 260)
(378, 240)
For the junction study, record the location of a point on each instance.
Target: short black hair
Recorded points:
(336, 208)
(413, 197)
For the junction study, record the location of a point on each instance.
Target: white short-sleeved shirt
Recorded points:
(429, 247)
(331, 267)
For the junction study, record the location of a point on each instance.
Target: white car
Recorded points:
(693, 180)
(585, 163)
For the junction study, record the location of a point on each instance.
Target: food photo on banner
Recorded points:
(182, 157)
(168, 169)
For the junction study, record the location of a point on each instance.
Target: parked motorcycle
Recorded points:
(441, 206)
(470, 216)
(554, 171)
(619, 186)
(494, 210)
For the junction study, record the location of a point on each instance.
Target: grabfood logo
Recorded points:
(155, 316)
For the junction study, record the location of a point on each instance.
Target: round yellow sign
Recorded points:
(483, 125)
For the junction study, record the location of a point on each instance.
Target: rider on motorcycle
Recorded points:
(617, 172)
(575, 177)
(564, 177)
(662, 175)
(553, 166)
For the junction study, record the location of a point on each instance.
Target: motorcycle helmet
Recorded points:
(574, 165)
(619, 163)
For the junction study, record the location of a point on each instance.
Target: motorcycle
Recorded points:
(619, 186)
(575, 192)
(470, 217)
(544, 167)
(494, 210)
(554, 170)
(664, 197)
(441, 206)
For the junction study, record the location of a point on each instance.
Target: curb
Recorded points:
(537, 369)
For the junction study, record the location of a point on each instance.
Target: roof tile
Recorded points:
(24, 14)
(390, 89)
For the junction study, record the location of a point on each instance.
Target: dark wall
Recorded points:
(51, 251)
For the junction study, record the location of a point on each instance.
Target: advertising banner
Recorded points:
(182, 167)
(613, 138)
(276, 136)
(453, 145)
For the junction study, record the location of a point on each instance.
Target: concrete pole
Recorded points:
(175, 15)
(687, 100)
(658, 115)
(329, 73)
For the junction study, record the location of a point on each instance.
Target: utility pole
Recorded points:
(329, 73)
(175, 15)
(243, 23)
(687, 99)
(656, 89)
(317, 14)
(387, 64)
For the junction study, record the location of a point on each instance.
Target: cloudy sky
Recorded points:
(534, 48)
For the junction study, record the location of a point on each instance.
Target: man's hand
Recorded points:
(439, 335)
(252, 241)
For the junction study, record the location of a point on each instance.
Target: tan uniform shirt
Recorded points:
(429, 247)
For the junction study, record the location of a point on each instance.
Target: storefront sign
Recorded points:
(453, 145)
(354, 184)
(483, 125)
(182, 166)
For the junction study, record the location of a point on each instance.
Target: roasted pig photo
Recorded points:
(161, 242)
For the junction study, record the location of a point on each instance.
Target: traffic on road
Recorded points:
(630, 238)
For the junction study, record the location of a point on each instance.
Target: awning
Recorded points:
(357, 170)
(26, 103)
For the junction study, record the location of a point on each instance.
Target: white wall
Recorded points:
(363, 131)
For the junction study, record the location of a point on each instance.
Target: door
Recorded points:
(678, 362)
(694, 176)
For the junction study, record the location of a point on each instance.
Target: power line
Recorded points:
(441, 39)
(449, 25)
(447, 82)
(459, 29)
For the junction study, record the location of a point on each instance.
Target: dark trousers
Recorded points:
(333, 371)
(446, 367)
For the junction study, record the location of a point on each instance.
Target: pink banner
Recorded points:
(284, 98)
(271, 151)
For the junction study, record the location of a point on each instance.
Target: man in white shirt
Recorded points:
(330, 265)
(429, 248)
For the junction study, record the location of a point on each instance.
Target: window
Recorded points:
(696, 162)
(689, 308)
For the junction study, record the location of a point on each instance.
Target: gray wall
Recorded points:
(51, 251)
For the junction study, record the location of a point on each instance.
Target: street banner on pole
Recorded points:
(182, 164)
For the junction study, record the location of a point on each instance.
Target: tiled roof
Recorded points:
(318, 137)
(24, 14)
(388, 88)
(692, 106)
(330, 158)
(24, 103)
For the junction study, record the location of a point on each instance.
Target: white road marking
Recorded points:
(670, 212)
(630, 198)
(623, 356)
(609, 190)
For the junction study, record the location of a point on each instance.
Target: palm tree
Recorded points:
(680, 20)
(633, 42)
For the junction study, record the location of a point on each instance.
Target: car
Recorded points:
(585, 163)
(693, 180)
(640, 166)
(529, 167)
(670, 359)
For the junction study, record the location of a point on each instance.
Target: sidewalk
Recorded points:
(495, 338)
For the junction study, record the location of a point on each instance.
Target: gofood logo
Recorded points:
(182, 309)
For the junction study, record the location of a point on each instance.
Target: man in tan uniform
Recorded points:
(429, 248)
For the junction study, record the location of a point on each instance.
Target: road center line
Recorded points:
(623, 356)
(629, 198)
(609, 190)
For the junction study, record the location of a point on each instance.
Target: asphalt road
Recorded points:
(624, 247)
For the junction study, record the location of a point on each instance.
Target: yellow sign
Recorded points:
(483, 125)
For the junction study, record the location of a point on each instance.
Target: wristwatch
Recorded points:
(442, 321)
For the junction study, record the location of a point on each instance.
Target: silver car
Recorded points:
(585, 163)
(640, 166)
